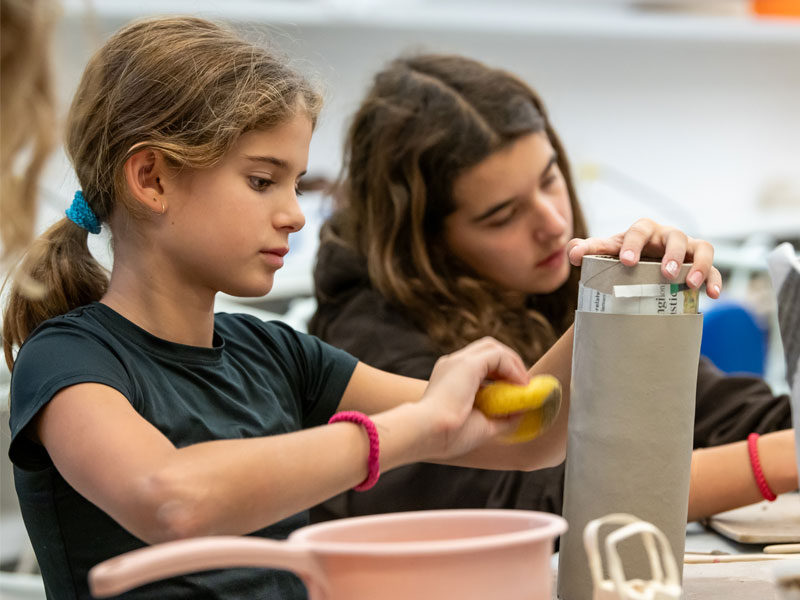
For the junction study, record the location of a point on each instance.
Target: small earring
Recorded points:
(163, 208)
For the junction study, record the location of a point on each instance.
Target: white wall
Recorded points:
(703, 110)
(708, 124)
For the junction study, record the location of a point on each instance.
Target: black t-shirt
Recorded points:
(258, 379)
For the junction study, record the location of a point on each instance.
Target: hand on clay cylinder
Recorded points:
(648, 238)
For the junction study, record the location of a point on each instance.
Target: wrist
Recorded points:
(778, 460)
(373, 457)
(406, 435)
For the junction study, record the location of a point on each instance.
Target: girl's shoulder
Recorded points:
(245, 334)
(67, 350)
(83, 339)
(85, 322)
(238, 327)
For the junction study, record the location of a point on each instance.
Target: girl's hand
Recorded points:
(450, 395)
(648, 238)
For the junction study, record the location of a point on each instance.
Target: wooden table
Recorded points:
(726, 581)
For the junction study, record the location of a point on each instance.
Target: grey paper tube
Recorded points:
(631, 423)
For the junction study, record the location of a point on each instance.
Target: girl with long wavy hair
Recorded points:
(456, 203)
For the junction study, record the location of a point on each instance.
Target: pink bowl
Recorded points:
(464, 554)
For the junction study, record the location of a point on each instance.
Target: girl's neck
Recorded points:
(163, 310)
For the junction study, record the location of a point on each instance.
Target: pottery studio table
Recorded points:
(745, 580)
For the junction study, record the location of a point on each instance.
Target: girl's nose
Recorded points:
(290, 217)
(549, 221)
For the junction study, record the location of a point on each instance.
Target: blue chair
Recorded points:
(733, 339)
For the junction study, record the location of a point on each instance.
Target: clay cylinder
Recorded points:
(631, 416)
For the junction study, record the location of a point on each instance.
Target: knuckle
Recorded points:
(639, 228)
(485, 342)
(677, 234)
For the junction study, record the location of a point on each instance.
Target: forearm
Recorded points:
(722, 477)
(557, 362)
(549, 449)
(239, 486)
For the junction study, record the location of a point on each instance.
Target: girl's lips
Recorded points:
(273, 258)
(554, 260)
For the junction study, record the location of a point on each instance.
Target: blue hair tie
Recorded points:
(80, 214)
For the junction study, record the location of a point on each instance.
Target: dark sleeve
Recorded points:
(369, 328)
(729, 407)
(321, 372)
(47, 363)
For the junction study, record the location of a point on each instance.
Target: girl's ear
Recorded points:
(144, 171)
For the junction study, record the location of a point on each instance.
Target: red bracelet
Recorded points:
(761, 481)
(373, 461)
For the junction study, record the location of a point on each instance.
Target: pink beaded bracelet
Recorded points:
(373, 460)
(758, 473)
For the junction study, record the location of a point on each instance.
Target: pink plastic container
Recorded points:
(464, 554)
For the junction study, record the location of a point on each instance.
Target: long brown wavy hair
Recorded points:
(183, 86)
(427, 119)
(27, 116)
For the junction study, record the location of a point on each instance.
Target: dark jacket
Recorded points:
(355, 317)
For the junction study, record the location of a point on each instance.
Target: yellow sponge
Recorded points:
(540, 401)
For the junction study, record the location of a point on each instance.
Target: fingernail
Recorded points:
(695, 279)
(716, 289)
(672, 268)
(628, 255)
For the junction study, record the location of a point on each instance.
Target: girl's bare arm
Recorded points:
(722, 477)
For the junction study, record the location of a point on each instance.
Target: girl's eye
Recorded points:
(505, 220)
(259, 183)
(548, 181)
(297, 191)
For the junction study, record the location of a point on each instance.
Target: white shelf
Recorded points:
(601, 20)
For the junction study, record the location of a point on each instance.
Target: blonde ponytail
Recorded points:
(68, 275)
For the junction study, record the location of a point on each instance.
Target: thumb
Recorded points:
(503, 426)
